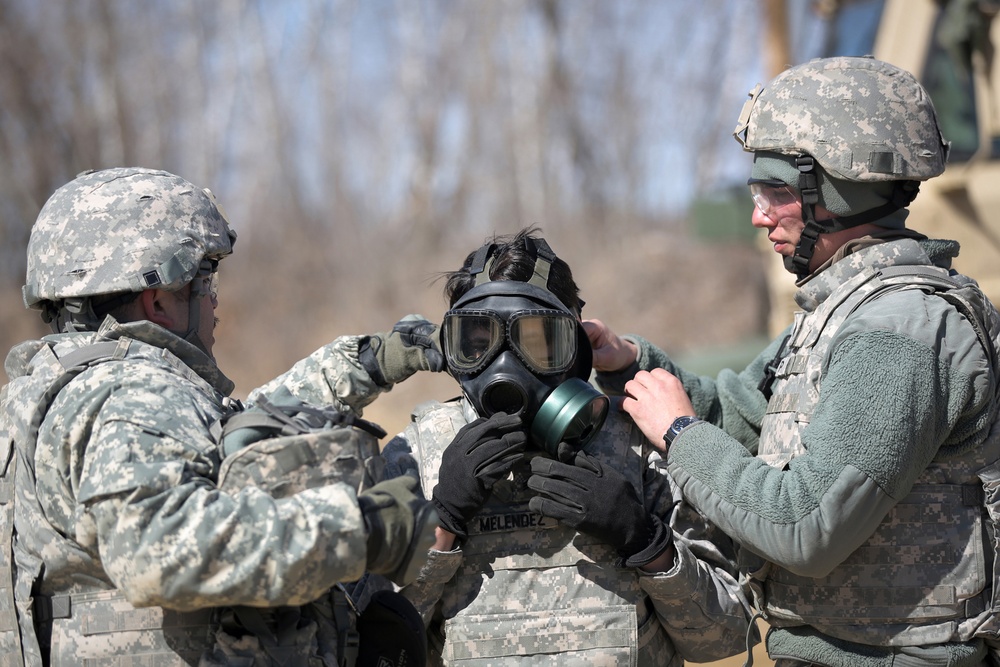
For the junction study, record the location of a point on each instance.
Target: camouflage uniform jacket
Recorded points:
(116, 500)
(864, 502)
(524, 588)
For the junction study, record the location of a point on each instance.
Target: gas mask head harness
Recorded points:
(516, 348)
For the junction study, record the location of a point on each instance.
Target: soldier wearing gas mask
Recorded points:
(560, 539)
(515, 348)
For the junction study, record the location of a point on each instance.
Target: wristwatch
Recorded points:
(679, 425)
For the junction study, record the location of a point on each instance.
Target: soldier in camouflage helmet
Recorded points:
(119, 543)
(577, 552)
(848, 138)
(855, 459)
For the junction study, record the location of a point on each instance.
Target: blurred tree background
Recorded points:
(361, 148)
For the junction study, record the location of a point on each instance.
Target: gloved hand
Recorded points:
(482, 453)
(598, 501)
(411, 346)
(400, 528)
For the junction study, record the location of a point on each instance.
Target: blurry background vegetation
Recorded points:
(361, 148)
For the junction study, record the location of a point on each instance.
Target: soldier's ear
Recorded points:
(162, 307)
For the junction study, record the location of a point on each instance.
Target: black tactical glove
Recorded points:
(482, 453)
(400, 528)
(598, 501)
(411, 346)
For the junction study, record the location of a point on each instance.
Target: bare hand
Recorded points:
(443, 540)
(654, 400)
(612, 353)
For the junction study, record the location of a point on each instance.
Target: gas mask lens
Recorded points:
(545, 340)
(471, 339)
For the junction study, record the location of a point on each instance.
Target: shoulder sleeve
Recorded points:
(167, 536)
(332, 375)
(699, 601)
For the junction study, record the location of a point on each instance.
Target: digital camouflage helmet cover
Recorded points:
(120, 231)
(862, 119)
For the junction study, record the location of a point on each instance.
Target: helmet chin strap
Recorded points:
(194, 322)
(201, 287)
(798, 263)
(903, 193)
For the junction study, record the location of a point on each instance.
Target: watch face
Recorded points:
(679, 424)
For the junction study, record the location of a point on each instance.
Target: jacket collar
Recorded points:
(155, 335)
(876, 253)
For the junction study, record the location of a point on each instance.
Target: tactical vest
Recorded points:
(529, 585)
(887, 592)
(280, 449)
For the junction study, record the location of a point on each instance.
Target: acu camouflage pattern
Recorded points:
(289, 451)
(920, 578)
(862, 119)
(122, 230)
(524, 589)
(91, 621)
(284, 447)
(333, 375)
(118, 491)
(11, 653)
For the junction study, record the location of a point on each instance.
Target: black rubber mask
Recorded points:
(515, 348)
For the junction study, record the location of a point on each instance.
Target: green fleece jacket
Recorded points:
(905, 372)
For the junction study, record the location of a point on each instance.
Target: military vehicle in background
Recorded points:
(949, 46)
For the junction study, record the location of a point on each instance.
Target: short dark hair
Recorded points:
(513, 261)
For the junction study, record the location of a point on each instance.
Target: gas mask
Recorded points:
(515, 348)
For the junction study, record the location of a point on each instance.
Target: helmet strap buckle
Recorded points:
(810, 233)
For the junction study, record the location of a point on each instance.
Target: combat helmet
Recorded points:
(118, 232)
(854, 119)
